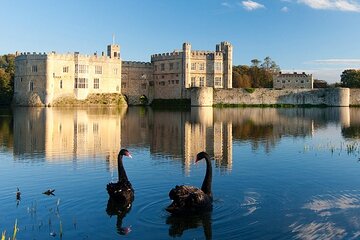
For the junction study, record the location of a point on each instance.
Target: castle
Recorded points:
(42, 79)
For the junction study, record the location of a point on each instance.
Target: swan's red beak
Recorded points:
(128, 155)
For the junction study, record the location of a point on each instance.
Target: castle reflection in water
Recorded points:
(73, 133)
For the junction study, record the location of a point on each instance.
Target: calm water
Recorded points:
(278, 173)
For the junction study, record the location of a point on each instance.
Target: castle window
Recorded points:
(162, 83)
(95, 128)
(162, 76)
(171, 66)
(201, 82)
(193, 81)
(31, 86)
(61, 85)
(65, 69)
(155, 67)
(143, 85)
(201, 66)
(34, 68)
(302, 81)
(98, 69)
(115, 71)
(81, 68)
(81, 83)
(177, 65)
(96, 83)
(162, 67)
(193, 66)
(217, 66)
(177, 81)
(218, 82)
(151, 83)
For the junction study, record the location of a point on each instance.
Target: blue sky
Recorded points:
(317, 36)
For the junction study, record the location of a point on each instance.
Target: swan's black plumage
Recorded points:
(122, 190)
(188, 199)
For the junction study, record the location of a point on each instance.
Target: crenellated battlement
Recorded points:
(63, 56)
(135, 64)
(165, 56)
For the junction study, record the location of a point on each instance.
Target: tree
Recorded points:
(255, 62)
(350, 78)
(255, 76)
(7, 72)
(270, 66)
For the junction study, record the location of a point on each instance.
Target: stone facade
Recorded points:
(293, 81)
(42, 78)
(180, 70)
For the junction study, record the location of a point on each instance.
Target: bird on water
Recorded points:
(121, 190)
(192, 200)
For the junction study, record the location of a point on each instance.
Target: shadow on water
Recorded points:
(179, 224)
(120, 210)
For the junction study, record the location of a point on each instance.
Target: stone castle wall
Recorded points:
(355, 96)
(137, 80)
(329, 96)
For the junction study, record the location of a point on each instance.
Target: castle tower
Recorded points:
(227, 50)
(186, 64)
(113, 51)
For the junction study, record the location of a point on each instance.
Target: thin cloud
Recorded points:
(285, 9)
(337, 61)
(340, 5)
(251, 5)
(225, 4)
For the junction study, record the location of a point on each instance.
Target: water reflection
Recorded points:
(120, 210)
(72, 133)
(6, 128)
(179, 224)
(328, 208)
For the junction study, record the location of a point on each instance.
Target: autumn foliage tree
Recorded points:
(258, 75)
(7, 72)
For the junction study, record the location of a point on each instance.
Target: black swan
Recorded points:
(191, 200)
(122, 190)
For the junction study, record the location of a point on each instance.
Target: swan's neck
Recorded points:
(206, 186)
(121, 170)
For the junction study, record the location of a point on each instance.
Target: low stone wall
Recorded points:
(109, 99)
(262, 96)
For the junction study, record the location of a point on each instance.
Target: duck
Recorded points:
(49, 192)
(121, 190)
(192, 200)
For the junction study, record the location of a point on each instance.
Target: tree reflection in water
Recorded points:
(179, 224)
(120, 210)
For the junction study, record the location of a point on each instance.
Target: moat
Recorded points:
(278, 173)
